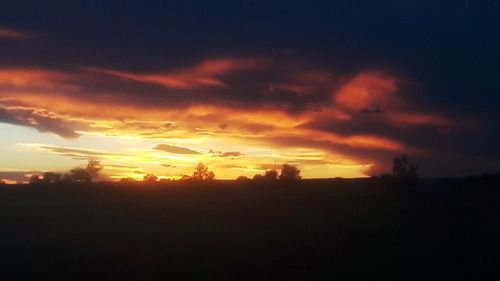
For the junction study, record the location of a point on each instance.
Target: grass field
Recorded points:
(315, 230)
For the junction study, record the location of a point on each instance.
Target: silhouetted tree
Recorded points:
(67, 179)
(150, 178)
(405, 170)
(241, 179)
(49, 177)
(93, 168)
(290, 173)
(210, 175)
(127, 180)
(271, 175)
(80, 175)
(35, 179)
(201, 172)
(258, 177)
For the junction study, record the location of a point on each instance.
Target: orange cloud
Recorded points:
(175, 149)
(297, 89)
(334, 126)
(408, 118)
(366, 90)
(361, 141)
(73, 152)
(206, 74)
(30, 78)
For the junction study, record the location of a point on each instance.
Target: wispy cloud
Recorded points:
(72, 152)
(206, 74)
(226, 154)
(175, 149)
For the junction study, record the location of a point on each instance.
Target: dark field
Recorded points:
(317, 230)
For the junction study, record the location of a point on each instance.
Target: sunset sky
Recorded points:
(338, 88)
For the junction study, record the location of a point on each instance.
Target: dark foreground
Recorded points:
(317, 231)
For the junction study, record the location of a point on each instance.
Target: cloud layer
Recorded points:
(244, 92)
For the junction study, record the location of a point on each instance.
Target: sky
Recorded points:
(337, 88)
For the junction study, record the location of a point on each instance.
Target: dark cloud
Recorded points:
(230, 154)
(371, 110)
(6, 117)
(54, 125)
(175, 149)
(41, 122)
(120, 167)
(77, 153)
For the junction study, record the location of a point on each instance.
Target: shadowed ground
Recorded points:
(317, 230)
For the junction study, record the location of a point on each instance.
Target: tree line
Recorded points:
(403, 171)
(76, 175)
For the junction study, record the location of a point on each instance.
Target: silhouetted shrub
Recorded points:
(242, 179)
(150, 178)
(127, 180)
(80, 175)
(35, 179)
(271, 175)
(51, 177)
(405, 171)
(258, 177)
(67, 179)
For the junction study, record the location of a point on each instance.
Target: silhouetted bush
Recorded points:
(51, 177)
(242, 179)
(35, 179)
(405, 171)
(67, 179)
(271, 175)
(127, 180)
(150, 178)
(258, 177)
(79, 175)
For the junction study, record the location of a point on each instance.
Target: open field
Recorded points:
(316, 230)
